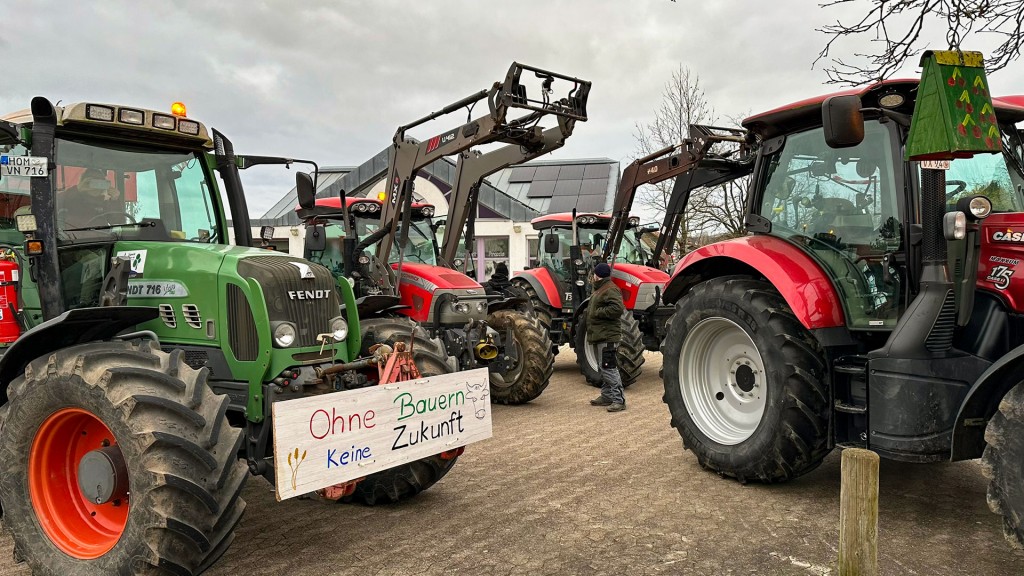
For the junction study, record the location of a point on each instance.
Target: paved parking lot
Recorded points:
(565, 488)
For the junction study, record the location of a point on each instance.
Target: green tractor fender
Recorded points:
(70, 328)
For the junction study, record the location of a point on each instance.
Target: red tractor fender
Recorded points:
(542, 282)
(797, 277)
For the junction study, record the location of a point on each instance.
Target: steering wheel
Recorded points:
(960, 187)
(92, 221)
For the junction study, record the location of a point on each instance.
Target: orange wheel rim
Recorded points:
(80, 528)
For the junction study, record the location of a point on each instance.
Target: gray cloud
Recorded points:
(331, 80)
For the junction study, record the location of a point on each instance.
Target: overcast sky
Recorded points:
(331, 80)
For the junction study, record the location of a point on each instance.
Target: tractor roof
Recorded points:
(335, 202)
(124, 121)
(564, 219)
(807, 113)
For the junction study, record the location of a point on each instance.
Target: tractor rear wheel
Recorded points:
(542, 310)
(745, 382)
(117, 458)
(1003, 464)
(405, 480)
(630, 354)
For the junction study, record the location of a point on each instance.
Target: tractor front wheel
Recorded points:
(405, 480)
(630, 352)
(1003, 464)
(745, 382)
(116, 458)
(534, 363)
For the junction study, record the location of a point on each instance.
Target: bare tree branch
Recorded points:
(909, 18)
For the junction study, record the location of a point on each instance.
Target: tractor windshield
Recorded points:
(106, 190)
(1000, 177)
(419, 248)
(841, 206)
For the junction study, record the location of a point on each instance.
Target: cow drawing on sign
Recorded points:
(480, 394)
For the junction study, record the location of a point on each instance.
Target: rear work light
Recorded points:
(101, 113)
(163, 122)
(188, 127)
(132, 116)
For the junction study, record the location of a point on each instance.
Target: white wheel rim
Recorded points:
(722, 381)
(590, 353)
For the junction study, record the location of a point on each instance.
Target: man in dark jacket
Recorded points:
(604, 328)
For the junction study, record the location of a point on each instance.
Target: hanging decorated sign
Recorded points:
(953, 114)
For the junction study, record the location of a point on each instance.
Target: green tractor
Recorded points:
(142, 353)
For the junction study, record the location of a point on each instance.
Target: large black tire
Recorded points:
(536, 362)
(759, 410)
(406, 480)
(542, 310)
(630, 353)
(185, 478)
(1003, 464)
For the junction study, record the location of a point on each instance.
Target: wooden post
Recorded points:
(858, 514)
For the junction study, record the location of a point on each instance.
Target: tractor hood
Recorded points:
(437, 276)
(638, 274)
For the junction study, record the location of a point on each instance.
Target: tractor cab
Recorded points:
(590, 233)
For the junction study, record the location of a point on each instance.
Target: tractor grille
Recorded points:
(192, 316)
(242, 336)
(296, 291)
(941, 336)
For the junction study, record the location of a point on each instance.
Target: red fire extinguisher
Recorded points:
(10, 329)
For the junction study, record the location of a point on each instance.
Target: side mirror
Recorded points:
(316, 238)
(436, 225)
(9, 133)
(267, 232)
(305, 191)
(842, 121)
(551, 243)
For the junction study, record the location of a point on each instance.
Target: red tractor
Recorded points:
(873, 303)
(569, 247)
(402, 275)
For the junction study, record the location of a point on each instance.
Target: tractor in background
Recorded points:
(402, 277)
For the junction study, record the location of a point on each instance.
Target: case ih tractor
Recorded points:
(402, 275)
(875, 301)
(569, 246)
(143, 353)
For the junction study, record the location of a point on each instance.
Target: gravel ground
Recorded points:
(565, 488)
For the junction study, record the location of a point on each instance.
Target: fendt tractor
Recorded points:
(875, 301)
(559, 287)
(142, 353)
(477, 328)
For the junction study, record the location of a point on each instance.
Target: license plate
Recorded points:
(935, 164)
(32, 166)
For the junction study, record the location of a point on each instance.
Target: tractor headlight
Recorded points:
(481, 306)
(284, 335)
(458, 262)
(976, 207)
(460, 307)
(954, 225)
(339, 328)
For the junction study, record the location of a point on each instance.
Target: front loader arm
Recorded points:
(695, 158)
(472, 168)
(409, 156)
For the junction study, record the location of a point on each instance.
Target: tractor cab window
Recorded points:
(841, 206)
(559, 262)
(592, 243)
(333, 256)
(1000, 177)
(107, 191)
(420, 246)
(631, 249)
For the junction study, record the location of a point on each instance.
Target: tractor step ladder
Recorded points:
(850, 401)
